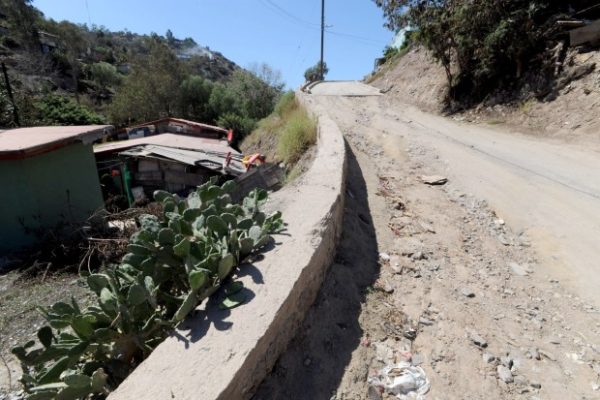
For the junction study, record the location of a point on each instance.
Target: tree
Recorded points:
(23, 16)
(170, 38)
(58, 110)
(482, 44)
(151, 91)
(105, 74)
(313, 74)
(195, 94)
(240, 102)
(268, 75)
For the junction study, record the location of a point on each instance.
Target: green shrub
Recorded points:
(286, 103)
(313, 73)
(483, 44)
(58, 110)
(299, 133)
(105, 74)
(173, 263)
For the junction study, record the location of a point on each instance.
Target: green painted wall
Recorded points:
(46, 191)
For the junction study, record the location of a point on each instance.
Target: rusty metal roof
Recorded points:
(202, 158)
(170, 140)
(26, 142)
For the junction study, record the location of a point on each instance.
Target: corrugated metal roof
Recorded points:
(26, 142)
(170, 140)
(206, 159)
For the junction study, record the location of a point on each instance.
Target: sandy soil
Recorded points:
(574, 115)
(427, 273)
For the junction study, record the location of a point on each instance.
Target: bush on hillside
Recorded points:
(299, 133)
(58, 110)
(482, 44)
(313, 73)
(285, 135)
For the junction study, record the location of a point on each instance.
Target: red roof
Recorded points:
(26, 142)
(169, 140)
(192, 124)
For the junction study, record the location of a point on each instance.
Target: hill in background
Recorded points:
(65, 73)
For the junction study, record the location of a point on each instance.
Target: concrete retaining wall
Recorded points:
(225, 355)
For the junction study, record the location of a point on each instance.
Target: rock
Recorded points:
(419, 255)
(478, 340)
(506, 361)
(504, 240)
(434, 179)
(427, 227)
(410, 334)
(518, 269)
(374, 393)
(388, 288)
(535, 385)
(467, 292)
(535, 354)
(488, 358)
(548, 355)
(425, 321)
(384, 257)
(504, 374)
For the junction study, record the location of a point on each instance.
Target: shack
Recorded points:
(49, 180)
(176, 162)
(172, 125)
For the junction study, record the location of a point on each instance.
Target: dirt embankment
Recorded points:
(573, 113)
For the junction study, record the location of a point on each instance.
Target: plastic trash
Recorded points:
(404, 380)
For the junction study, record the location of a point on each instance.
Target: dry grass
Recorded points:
(299, 133)
(285, 135)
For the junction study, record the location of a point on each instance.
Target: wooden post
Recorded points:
(10, 95)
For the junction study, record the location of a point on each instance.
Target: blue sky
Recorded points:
(283, 33)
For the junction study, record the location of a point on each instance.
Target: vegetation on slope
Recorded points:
(485, 45)
(285, 135)
(122, 77)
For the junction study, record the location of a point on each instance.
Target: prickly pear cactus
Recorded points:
(172, 264)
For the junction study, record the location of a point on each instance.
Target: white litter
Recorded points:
(404, 380)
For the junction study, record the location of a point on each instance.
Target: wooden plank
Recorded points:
(587, 34)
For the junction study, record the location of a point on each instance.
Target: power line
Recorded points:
(87, 7)
(309, 25)
(289, 16)
(356, 37)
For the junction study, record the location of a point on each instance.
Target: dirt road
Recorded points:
(489, 282)
(546, 189)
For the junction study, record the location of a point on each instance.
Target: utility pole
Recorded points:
(321, 72)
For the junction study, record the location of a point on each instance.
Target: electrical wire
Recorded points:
(87, 7)
(309, 25)
(356, 37)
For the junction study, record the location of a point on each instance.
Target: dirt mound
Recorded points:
(571, 111)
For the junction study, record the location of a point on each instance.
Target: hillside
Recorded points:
(570, 113)
(83, 66)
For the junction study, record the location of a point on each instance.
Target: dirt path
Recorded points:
(491, 307)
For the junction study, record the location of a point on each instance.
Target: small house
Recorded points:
(175, 162)
(48, 180)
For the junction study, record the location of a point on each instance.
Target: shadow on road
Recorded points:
(313, 365)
